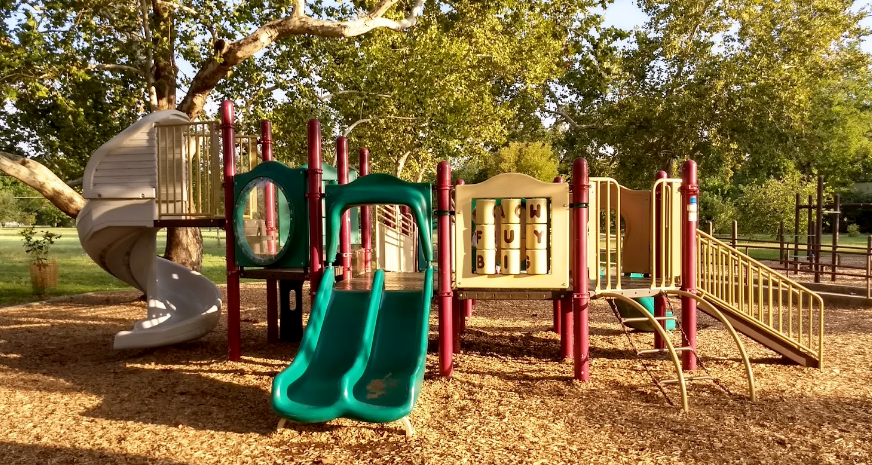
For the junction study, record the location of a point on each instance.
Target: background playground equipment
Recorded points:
(628, 311)
(628, 233)
(166, 171)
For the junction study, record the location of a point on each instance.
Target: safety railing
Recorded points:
(607, 227)
(189, 170)
(665, 233)
(396, 236)
(392, 217)
(248, 157)
(779, 306)
(604, 233)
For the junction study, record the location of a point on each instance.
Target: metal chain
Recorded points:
(638, 356)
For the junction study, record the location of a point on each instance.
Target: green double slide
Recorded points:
(362, 356)
(363, 352)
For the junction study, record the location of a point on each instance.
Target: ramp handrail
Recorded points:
(780, 307)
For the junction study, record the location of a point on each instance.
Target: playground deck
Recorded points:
(66, 397)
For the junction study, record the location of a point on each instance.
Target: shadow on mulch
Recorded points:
(78, 350)
(29, 454)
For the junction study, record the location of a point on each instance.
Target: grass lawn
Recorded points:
(76, 272)
(771, 252)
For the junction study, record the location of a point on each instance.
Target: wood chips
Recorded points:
(67, 397)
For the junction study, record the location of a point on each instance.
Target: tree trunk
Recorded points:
(185, 247)
(44, 181)
(163, 42)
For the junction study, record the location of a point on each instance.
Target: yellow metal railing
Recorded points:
(604, 233)
(189, 170)
(607, 227)
(782, 308)
(666, 233)
(247, 157)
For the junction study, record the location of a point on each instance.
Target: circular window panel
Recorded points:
(263, 221)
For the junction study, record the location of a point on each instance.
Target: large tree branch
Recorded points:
(37, 176)
(229, 55)
(570, 121)
(122, 68)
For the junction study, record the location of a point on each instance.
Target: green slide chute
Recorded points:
(363, 353)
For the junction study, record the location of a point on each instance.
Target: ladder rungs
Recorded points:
(641, 319)
(688, 378)
(662, 351)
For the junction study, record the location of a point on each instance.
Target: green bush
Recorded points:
(853, 230)
(761, 207)
(38, 248)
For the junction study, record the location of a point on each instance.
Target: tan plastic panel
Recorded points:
(512, 186)
(636, 214)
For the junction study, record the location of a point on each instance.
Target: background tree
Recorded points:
(535, 159)
(50, 46)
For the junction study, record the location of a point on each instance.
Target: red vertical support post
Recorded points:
(228, 137)
(580, 295)
(659, 300)
(556, 303)
(269, 195)
(316, 235)
(365, 218)
(690, 218)
(443, 218)
(272, 315)
(345, 227)
(819, 230)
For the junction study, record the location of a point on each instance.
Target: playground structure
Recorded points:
(166, 171)
(637, 244)
(508, 238)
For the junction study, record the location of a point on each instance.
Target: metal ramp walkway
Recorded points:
(760, 303)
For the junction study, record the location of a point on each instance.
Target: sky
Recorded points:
(625, 15)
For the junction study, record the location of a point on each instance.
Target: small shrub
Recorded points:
(853, 230)
(38, 248)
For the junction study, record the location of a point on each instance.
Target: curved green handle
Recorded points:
(379, 189)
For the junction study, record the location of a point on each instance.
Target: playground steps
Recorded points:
(761, 303)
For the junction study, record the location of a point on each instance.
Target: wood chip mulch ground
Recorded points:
(67, 397)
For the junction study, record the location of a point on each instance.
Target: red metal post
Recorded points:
(446, 332)
(228, 136)
(316, 235)
(272, 314)
(659, 300)
(269, 195)
(456, 322)
(345, 228)
(365, 218)
(690, 217)
(556, 303)
(580, 295)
